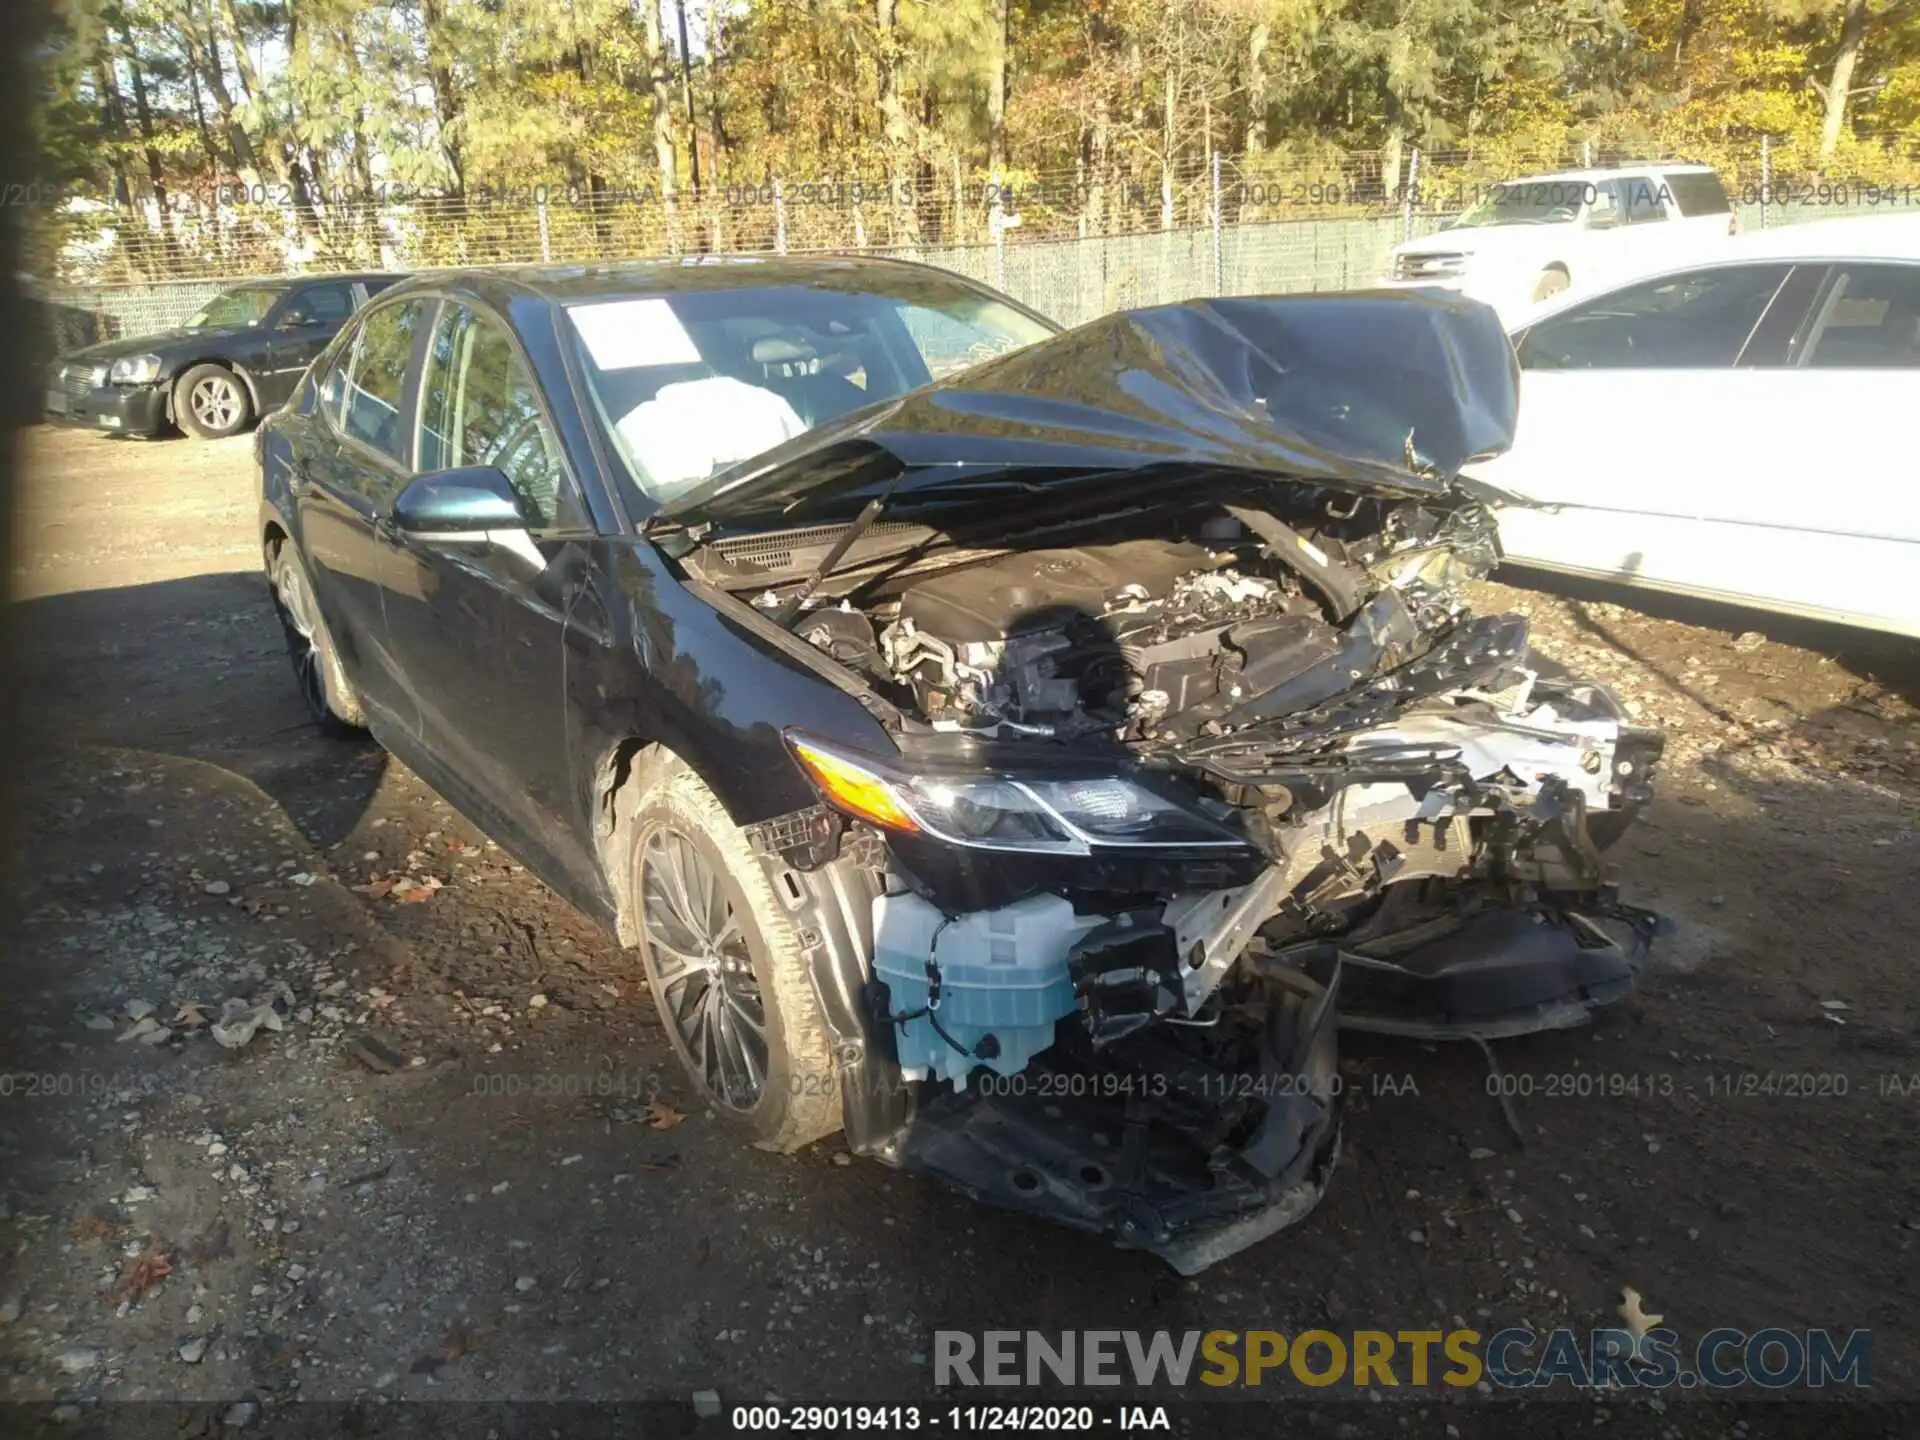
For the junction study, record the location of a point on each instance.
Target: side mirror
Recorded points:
(468, 503)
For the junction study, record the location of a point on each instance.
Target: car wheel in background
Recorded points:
(211, 402)
(1552, 281)
(726, 970)
(323, 682)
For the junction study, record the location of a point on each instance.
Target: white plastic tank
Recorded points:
(1004, 981)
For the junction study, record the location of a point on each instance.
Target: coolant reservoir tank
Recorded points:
(1004, 981)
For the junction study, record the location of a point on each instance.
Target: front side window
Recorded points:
(1697, 320)
(376, 377)
(246, 306)
(1526, 202)
(479, 406)
(1869, 320)
(692, 383)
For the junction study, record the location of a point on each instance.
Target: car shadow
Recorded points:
(197, 668)
(1892, 661)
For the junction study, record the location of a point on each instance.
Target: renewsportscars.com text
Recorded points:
(1773, 1359)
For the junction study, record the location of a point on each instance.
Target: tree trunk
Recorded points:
(659, 82)
(242, 62)
(896, 128)
(1167, 143)
(1390, 157)
(113, 120)
(1256, 136)
(446, 96)
(1853, 30)
(214, 158)
(203, 53)
(143, 113)
(998, 12)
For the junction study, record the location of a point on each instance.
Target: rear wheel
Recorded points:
(211, 402)
(726, 970)
(323, 682)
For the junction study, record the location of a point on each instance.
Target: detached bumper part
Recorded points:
(1501, 973)
(1190, 1168)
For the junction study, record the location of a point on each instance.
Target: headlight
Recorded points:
(1069, 816)
(135, 370)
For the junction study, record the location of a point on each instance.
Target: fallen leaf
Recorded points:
(94, 1225)
(1637, 1320)
(148, 1269)
(662, 1117)
(377, 887)
(192, 1014)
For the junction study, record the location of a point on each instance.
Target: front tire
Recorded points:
(211, 402)
(727, 973)
(328, 694)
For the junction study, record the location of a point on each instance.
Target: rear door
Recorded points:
(344, 479)
(1636, 424)
(307, 317)
(477, 627)
(1838, 414)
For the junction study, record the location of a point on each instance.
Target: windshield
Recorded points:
(235, 307)
(1527, 202)
(693, 383)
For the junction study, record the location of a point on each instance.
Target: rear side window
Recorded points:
(1697, 192)
(1697, 320)
(1868, 320)
(329, 304)
(377, 376)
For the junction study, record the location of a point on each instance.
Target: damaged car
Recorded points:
(1023, 750)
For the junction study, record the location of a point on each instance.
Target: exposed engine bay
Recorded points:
(1197, 766)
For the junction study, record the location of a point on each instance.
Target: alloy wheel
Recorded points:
(296, 605)
(702, 970)
(215, 402)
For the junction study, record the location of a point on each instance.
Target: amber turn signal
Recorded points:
(856, 790)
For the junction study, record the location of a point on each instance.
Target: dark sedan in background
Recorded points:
(1024, 750)
(240, 356)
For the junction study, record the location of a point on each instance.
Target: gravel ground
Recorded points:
(456, 1160)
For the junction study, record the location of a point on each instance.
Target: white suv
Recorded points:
(1530, 238)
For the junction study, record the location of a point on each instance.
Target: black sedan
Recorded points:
(239, 356)
(1024, 750)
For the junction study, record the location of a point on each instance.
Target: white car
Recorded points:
(1527, 239)
(1739, 430)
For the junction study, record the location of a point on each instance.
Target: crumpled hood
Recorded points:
(1387, 391)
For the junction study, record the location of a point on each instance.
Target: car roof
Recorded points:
(1855, 237)
(1885, 236)
(661, 275)
(1610, 172)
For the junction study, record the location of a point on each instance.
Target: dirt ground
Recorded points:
(510, 1192)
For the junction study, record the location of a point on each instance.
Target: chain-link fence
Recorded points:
(1071, 245)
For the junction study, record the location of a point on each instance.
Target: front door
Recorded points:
(477, 627)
